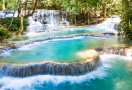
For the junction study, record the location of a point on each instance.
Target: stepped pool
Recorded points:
(113, 73)
(60, 31)
(63, 50)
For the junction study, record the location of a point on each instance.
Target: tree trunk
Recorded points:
(72, 19)
(104, 12)
(88, 16)
(34, 8)
(12, 20)
(3, 5)
(26, 6)
(19, 32)
(75, 20)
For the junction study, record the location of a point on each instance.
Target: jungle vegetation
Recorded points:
(79, 12)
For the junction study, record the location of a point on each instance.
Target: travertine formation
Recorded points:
(53, 68)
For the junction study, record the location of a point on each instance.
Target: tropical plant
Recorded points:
(4, 34)
(1, 5)
(126, 23)
(15, 24)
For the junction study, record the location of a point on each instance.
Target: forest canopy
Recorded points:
(80, 11)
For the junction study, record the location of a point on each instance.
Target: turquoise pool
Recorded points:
(63, 50)
(62, 31)
(115, 72)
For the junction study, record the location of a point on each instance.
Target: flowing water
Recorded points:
(63, 50)
(114, 73)
(62, 31)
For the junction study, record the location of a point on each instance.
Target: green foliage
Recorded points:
(4, 34)
(10, 6)
(126, 24)
(0, 5)
(15, 24)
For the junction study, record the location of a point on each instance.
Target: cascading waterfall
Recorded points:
(8, 14)
(49, 18)
(76, 68)
(54, 68)
(46, 18)
(110, 23)
(115, 50)
(64, 22)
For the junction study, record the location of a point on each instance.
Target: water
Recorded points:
(63, 50)
(58, 50)
(48, 17)
(115, 73)
(110, 23)
(62, 31)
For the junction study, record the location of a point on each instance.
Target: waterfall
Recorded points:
(46, 18)
(63, 21)
(49, 18)
(2, 15)
(115, 50)
(33, 26)
(8, 14)
(72, 69)
(110, 23)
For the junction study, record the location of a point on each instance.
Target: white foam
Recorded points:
(30, 46)
(29, 82)
(24, 48)
(110, 57)
(19, 83)
(109, 24)
(74, 38)
(6, 53)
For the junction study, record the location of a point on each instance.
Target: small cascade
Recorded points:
(16, 46)
(2, 15)
(8, 14)
(110, 23)
(46, 18)
(73, 69)
(49, 18)
(115, 50)
(64, 22)
(33, 26)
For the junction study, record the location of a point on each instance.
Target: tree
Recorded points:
(3, 5)
(19, 32)
(21, 14)
(126, 23)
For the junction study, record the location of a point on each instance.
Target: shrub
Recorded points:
(15, 24)
(0, 6)
(4, 34)
(10, 6)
